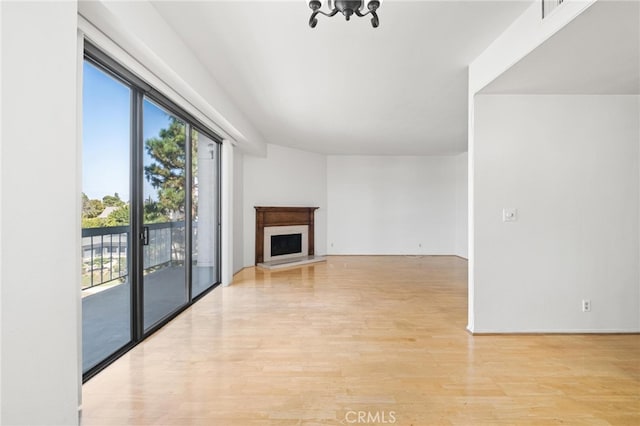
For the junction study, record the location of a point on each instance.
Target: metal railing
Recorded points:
(104, 251)
(166, 244)
(104, 255)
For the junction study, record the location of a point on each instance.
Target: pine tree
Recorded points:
(167, 171)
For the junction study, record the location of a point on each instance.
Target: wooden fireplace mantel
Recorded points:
(282, 216)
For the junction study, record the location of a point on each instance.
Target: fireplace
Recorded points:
(285, 242)
(284, 233)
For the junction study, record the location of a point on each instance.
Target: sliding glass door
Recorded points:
(150, 214)
(164, 189)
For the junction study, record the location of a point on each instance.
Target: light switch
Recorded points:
(509, 215)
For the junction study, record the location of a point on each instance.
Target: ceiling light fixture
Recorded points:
(347, 7)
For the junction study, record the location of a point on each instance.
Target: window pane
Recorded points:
(106, 288)
(164, 213)
(205, 213)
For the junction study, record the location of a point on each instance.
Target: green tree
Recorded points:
(118, 217)
(167, 171)
(91, 208)
(153, 213)
(93, 222)
(112, 200)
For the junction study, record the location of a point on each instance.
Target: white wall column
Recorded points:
(522, 37)
(40, 276)
(227, 212)
(471, 216)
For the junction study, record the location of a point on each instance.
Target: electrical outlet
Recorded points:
(509, 215)
(586, 305)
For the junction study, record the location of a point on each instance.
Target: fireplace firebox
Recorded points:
(286, 244)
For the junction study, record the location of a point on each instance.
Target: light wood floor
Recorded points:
(384, 336)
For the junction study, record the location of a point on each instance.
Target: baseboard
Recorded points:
(551, 332)
(395, 254)
(241, 269)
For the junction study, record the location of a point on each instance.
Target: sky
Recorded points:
(106, 134)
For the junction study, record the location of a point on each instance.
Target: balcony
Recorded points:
(106, 287)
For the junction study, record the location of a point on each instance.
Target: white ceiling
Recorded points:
(596, 53)
(344, 87)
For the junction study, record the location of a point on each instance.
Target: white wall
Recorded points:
(462, 213)
(238, 213)
(40, 280)
(521, 37)
(391, 205)
(227, 183)
(1, 184)
(569, 164)
(285, 177)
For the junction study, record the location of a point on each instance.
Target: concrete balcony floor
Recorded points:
(106, 315)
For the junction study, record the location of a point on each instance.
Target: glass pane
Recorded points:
(106, 288)
(164, 213)
(204, 265)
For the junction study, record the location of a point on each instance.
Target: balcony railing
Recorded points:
(104, 251)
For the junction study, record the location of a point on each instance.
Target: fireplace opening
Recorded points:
(286, 244)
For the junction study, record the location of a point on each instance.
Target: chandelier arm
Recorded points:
(332, 13)
(374, 19)
(313, 20)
